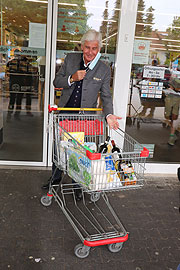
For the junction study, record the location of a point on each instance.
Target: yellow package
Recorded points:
(78, 136)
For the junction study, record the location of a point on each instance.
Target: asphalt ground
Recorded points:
(33, 236)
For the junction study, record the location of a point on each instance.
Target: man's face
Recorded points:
(90, 50)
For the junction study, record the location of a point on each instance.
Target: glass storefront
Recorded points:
(22, 77)
(26, 46)
(154, 98)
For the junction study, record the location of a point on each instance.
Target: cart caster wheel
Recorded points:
(81, 251)
(95, 196)
(116, 247)
(164, 125)
(46, 200)
(138, 125)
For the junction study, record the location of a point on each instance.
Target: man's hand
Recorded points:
(79, 75)
(112, 121)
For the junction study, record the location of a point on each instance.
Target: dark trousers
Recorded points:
(57, 174)
(28, 101)
(15, 98)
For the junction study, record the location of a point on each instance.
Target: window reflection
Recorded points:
(22, 79)
(76, 17)
(154, 100)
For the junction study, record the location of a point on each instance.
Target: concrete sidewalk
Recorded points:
(36, 237)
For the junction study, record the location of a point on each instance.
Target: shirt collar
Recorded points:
(87, 63)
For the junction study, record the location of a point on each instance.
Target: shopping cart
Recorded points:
(93, 218)
(151, 96)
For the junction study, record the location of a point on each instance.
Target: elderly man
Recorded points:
(83, 76)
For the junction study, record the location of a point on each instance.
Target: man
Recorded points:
(19, 72)
(82, 85)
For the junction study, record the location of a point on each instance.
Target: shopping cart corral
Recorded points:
(97, 174)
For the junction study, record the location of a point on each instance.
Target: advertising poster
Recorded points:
(37, 35)
(141, 51)
(72, 21)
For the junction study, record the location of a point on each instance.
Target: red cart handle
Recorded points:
(106, 241)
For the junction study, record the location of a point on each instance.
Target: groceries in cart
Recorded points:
(97, 167)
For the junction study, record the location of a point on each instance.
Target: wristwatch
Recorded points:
(71, 80)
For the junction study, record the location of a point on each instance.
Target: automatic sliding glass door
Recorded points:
(22, 79)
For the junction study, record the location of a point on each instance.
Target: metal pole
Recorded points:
(107, 29)
(107, 34)
(1, 25)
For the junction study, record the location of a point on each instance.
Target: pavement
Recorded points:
(33, 236)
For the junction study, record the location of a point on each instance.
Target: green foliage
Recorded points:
(140, 18)
(104, 25)
(174, 33)
(149, 20)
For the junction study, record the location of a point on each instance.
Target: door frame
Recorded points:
(46, 97)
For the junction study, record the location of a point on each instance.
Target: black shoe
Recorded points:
(54, 182)
(78, 194)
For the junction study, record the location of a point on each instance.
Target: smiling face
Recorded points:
(90, 50)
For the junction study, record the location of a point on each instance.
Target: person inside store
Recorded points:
(149, 104)
(82, 85)
(15, 81)
(172, 103)
(17, 71)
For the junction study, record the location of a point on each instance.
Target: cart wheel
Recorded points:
(81, 251)
(164, 125)
(116, 247)
(95, 196)
(46, 200)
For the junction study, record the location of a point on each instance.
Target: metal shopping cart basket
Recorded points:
(93, 218)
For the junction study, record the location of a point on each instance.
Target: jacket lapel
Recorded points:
(91, 72)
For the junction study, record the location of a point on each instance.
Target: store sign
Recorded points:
(71, 21)
(153, 72)
(10, 50)
(151, 89)
(141, 51)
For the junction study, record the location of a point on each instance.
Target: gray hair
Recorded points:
(92, 35)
